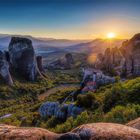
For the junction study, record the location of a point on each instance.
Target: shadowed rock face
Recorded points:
(95, 131)
(111, 59)
(22, 57)
(4, 69)
(39, 64)
(67, 62)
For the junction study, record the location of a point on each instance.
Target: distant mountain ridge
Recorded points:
(5, 39)
(96, 46)
(51, 44)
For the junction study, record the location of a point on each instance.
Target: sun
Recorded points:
(111, 35)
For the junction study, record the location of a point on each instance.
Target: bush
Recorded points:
(87, 100)
(114, 96)
(123, 114)
(71, 123)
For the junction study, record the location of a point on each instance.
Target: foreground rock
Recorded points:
(135, 123)
(20, 133)
(95, 131)
(22, 58)
(4, 70)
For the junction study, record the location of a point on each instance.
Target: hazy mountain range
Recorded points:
(43, 45)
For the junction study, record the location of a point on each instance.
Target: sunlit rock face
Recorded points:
(134, 123)
(131, 52)
(22, 57)
(93, 131)
(4, 69)
(122, 60)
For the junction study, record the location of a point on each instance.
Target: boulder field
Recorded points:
(94, 131)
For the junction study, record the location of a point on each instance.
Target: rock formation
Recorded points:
(69, 60)
(135, 123)
(39, 64)
(95, 131)
(122, 60)
(4, 69)
(131, 52)
(22, 57)
(111, 60)
(60, 111)
(93, 79)
(64, 63)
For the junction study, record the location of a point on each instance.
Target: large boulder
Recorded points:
(134, 123)
(25, 133)
(22, 58)
(94, 131)
(4, 69)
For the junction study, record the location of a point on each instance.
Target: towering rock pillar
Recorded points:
(4, 70)
(22, 58)
(39, 63)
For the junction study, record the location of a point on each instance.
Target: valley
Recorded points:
(59, 90)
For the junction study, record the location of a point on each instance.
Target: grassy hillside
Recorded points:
(117, 103)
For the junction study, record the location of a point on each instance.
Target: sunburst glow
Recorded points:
(111, 35)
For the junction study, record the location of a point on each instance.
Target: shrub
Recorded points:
(123, 114)
(71, 123)
(87, 100)
(114, 96)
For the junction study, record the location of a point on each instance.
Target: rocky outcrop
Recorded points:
(22, 133)
(4, 69)
(135, 123)
(66, 62)
(39, 64)
(124, 60)
(111, 60)
(93, 79)
(95, 131)
(22, 57)
(69, 60)
(131, 52)
(60, 111)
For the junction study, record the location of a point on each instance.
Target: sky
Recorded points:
(70, 19)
